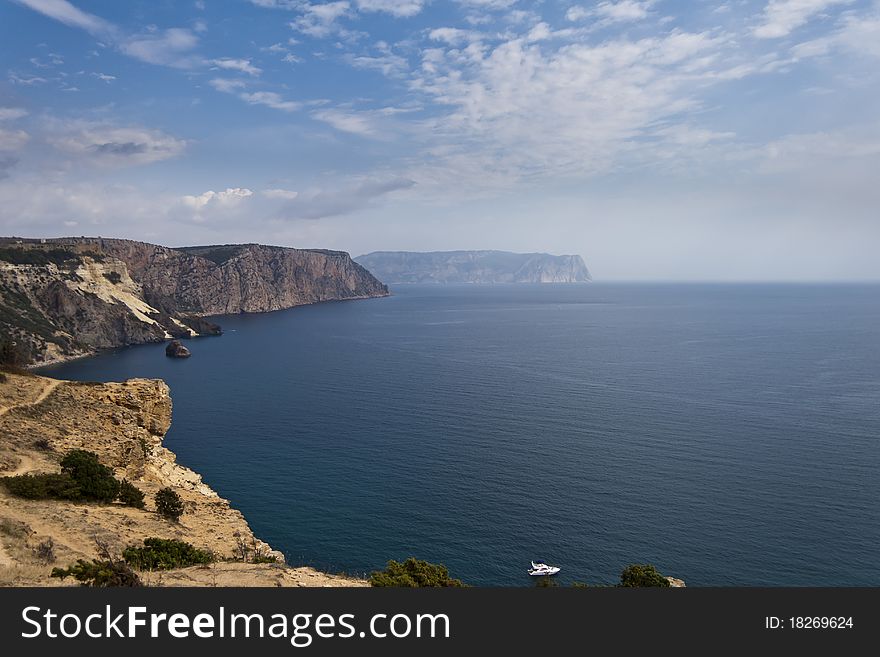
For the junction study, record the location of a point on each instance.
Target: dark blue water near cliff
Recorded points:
(729, 434)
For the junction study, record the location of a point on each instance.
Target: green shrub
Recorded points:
(99, 573)
(414, 573)
(96, 481)
(641, 575)
(3, 377)
(52, 486)
(169, 505)
(164, 554)
(131, 495)
(264, 558)
(82, 479)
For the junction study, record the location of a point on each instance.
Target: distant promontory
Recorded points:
(474, 267)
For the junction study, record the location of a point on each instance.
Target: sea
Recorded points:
(729, 434)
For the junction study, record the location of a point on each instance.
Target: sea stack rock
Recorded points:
(177, 350)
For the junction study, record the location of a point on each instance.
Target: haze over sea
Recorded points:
(728, 434)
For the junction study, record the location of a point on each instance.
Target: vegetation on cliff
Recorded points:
(414, 573)
(165, 554)
(169, 505)
(82, 479)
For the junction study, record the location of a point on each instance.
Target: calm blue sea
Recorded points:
(729, 434)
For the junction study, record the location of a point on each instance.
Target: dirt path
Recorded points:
(48, 387)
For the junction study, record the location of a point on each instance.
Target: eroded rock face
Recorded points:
(475, 267)
(68, 297)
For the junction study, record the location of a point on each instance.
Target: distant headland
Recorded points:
(474, 267)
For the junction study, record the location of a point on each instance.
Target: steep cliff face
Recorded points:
(475, 267)
(217, 280)
(41, 419)
(67, 297)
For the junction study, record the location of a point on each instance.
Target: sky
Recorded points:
(660, 140)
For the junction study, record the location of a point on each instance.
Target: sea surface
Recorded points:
(728, 434)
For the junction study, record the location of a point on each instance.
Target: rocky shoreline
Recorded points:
(41, 419)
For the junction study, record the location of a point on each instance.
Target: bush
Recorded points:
(45, 551)
(131, 495)
(96, 481)
(641, 575)
(43, 445)
(169, 505)
(51, 486)
(3, 377)
(82, 479)
(99, 573)
(164, 554)
(414, 573)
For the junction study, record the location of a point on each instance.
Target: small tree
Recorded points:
(169, 505)
(99, 573)
(641, 575)
(414, 573)
(105, 571)
(165, 554)
(131, 495)
(95, 481)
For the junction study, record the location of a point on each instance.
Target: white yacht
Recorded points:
(542, 570)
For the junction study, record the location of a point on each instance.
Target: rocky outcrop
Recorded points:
(70, 296)
(124, 424)
(475, 267)
(177, 350)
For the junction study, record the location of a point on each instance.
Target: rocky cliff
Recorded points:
(70, 296)
(123, 423)
(474, 267)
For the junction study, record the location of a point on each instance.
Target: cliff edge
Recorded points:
(41, 419)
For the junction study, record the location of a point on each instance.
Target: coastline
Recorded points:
(124, 423)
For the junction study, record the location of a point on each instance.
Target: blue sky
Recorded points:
(659, 139)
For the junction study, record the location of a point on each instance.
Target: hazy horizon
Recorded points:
(729, 141)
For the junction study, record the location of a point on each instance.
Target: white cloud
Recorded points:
(521, 109)
(12, 113)
(13, 140)
(352, 122)
(270, 99)
(453, 35)
(109, 145)
(855, 34)
(65, 12)
(104, 77)
(230, 196)
(169, 48)
(283, 194)
(267, 98)
(241, 65)
(227, 86)
(781, 17)
(398, 8)
(487, 4)
(608, 12)
(320, 20)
